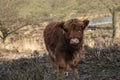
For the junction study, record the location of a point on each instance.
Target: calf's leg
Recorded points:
(63, 68)
(75, 70)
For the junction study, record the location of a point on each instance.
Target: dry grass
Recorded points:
(29, 38)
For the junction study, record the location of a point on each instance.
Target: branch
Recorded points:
(21, 26)
(1, 36)
(106, 6)
(115, 3)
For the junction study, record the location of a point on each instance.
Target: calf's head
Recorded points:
(73, 30)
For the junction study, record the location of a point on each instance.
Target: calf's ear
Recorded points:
(60, 24)
(86, 22)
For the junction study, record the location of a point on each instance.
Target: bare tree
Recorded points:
(9, 19)
(6, 31)
(113, 9)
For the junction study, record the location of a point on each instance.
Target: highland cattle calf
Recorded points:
(64, 41)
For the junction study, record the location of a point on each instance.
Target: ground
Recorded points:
(101, 60)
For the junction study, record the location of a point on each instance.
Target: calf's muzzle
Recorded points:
(74, 41)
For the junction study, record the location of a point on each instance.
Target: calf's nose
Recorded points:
(74, 41)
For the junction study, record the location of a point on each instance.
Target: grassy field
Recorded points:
(42, 10)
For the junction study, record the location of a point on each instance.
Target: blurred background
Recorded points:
(22, 50)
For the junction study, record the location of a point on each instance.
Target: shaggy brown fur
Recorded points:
(64, 41)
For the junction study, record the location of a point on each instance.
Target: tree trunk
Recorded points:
(113, 23)
(117, 25)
